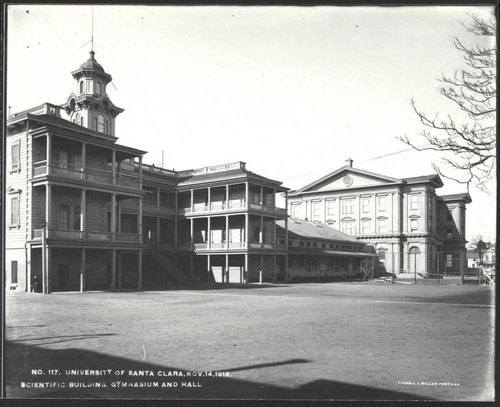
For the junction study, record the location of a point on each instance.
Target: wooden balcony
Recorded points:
(88, 174)
(233, 206)
(87, 236)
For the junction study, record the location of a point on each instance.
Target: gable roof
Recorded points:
(316, 230)
(434, 179)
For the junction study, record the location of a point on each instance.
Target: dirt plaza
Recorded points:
(292, 341)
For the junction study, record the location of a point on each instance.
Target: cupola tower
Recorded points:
(89, 105)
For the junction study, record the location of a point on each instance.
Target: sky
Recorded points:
(291, 91)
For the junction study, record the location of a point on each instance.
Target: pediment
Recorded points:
(347, 178)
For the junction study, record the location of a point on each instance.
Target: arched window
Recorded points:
(98, 88)
(81, 121)
(77, 118)
(100, 123)
(82, 86)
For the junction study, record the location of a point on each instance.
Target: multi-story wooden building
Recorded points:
(84, 212)
(412, 228)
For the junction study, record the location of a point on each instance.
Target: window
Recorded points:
(413, 225)
(100, 123)
(98, 88)
(14, 211)
(308, 244)
(449, 233)
(13, 272)
(347, 227)
(330, 208)
(14, 156)
(331, 246)
(316, 210)
(106, 127)
(82, 84)
(365, 205)
(382, 200)
(413, 202)
(290, 243)
(315, 245)
(302, 243)
(63, 217)
(365, 226)
(296, 211)
(382, 225)
(347, 206)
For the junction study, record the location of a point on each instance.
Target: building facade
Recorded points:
(411, 227)
(85, 213)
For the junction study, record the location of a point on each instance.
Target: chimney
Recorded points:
(348, 162)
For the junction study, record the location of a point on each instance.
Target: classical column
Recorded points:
(158, 235)
(192, 201)
(209, 199)
(425, 211)
(191, 230)
(261, 195)
(82, 272)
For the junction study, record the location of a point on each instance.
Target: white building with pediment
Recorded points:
(412, 228)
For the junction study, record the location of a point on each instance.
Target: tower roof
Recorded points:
(93, 67)
(91, 63)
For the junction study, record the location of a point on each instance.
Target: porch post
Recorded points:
(246, 272)
(113, 217)
(227, 232)
(84, 159)
(83, 212)
(139, 266)
(113, 269)
(113, 165)
(226, 271)
(48, 259)
(209, 232)
(82, 271)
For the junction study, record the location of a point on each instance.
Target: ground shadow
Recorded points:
(22, 375)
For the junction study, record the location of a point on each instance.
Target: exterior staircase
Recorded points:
(168, 265)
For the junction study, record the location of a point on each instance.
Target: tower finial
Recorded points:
(92, 34)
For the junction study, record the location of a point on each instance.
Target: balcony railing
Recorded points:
(230, 246)
(90, 174)
(87, 236)
(232, 205)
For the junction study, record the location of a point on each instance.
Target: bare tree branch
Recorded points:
(470, 147)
